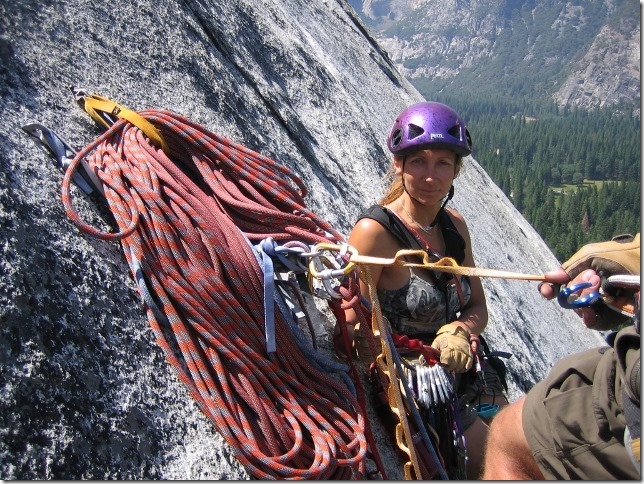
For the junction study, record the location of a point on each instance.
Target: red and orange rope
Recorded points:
(185, 220)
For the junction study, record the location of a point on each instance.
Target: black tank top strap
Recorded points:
(454, 242)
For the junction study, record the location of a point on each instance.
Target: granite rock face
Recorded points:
(608, 73)
(86, 393)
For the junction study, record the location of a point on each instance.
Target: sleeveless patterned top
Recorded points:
(418, 309)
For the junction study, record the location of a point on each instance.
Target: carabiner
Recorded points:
(569, 300)
(83, 177)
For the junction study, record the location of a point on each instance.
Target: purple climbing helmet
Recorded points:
(429, 125)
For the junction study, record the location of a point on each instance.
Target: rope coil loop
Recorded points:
(187, 218)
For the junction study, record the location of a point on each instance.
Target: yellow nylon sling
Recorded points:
(94, 103)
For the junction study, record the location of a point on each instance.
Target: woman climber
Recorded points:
(428, 141)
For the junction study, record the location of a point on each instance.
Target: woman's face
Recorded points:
(428, 174)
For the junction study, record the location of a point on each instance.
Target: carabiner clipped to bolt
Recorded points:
(569, 300)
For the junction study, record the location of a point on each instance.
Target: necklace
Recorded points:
(427, 228)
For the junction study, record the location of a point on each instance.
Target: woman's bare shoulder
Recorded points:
(370, 237)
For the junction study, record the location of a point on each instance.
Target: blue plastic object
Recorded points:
(487, 410)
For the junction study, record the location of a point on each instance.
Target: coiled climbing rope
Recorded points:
(187, 216)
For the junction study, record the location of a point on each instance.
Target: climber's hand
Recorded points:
(553, 281)
(621, 255)
(453, 342)
(597, 314)
(594, 263)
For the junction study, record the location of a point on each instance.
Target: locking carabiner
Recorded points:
(569, 300)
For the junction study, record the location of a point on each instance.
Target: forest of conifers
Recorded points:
(574, 175)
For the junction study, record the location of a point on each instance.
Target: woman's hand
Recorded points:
(453, 342)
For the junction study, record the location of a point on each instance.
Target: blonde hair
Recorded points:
(396, 188)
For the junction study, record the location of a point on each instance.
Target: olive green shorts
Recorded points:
(573, 423)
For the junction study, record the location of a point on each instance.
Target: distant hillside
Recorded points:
(579, 53)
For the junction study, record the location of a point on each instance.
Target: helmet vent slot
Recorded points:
(415, 131)
(396, 138)
(455, 131)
